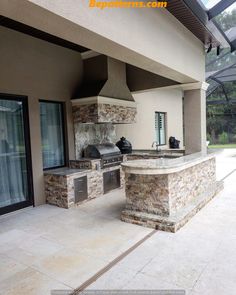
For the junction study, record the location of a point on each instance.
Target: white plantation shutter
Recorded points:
(160, 128)
(157, 127)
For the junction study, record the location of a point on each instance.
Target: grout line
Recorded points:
(50, 276)
(122, 256)
(205, 267)
(111, 264)
(230, 173)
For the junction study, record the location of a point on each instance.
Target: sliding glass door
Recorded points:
(15, 162)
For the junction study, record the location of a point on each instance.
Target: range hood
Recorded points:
(103, 96)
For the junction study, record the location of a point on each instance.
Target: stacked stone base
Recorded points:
(60, 190)
(177, 220)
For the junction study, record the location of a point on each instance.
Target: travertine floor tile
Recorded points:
(30, 282)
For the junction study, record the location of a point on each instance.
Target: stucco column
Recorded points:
(195, 119)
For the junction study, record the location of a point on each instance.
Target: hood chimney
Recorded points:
(103, 96)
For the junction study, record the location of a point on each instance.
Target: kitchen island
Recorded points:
(84, 180)
(60, 186)
(165, 193)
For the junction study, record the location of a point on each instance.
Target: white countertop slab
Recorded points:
(166, 166)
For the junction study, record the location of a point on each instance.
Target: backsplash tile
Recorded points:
(92, 134)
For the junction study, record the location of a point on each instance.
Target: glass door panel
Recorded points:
(14, 172)
(52, 135)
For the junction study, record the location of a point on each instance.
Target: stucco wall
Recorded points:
(152, 39)
(142, 133)
(39, 70)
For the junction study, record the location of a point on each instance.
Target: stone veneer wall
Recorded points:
(166, 194)
(93, 164)
(147, 193)
(116, 114)
(183, 189)
(87, 113)
(103, 113)
(92, 134)
(56, 190)
(59, 190)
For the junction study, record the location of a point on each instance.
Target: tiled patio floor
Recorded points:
(200, 258)
(48, 248)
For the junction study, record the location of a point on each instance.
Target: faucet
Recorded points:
(156, 145)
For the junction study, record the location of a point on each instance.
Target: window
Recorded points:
(160, 128)
(52, 134)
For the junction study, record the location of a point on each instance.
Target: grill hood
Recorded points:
(103, 96)
(101, 150)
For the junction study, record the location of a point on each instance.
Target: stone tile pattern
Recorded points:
(168, 202)
(166, 194)
(147, 193)
(85, 113)
(85, 164)
(100, 113)
(56, 190)
(86, 134)
(190, 183)
(116, 114)
(173, 222)
(59, 190)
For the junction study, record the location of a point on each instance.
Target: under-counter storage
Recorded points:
(81, 189)
(111, 180)
(65, 187)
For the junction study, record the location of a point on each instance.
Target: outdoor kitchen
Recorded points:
(97, 109)
(164, 186)
(117, 147)
(164, 189)
(97, 168)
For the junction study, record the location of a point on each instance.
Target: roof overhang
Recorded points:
(194, 16)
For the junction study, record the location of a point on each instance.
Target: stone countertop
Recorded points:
(164, 165)
(65, 171)
(86, 159)
(158, 154)
(153, 151)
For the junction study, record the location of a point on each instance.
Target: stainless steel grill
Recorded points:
(109, 154)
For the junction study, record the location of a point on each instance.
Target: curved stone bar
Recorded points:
(165, 166)
(165, 193)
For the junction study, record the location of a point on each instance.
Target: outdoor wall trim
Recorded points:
(193, 86)
(103, 100)
(188, 86)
